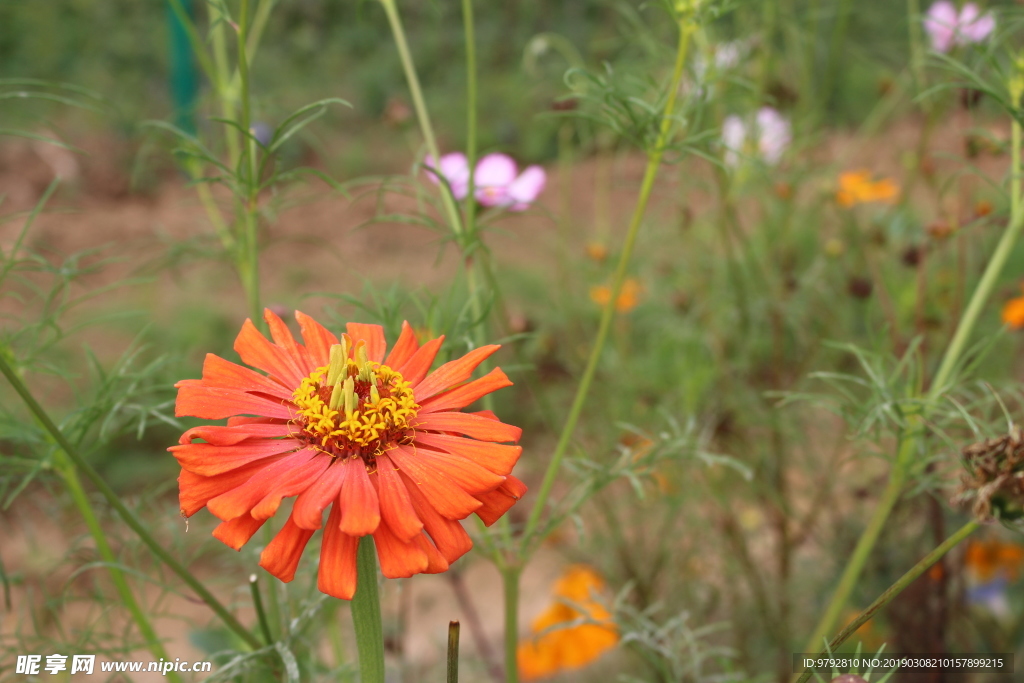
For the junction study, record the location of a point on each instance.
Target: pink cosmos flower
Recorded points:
(947, 28)
(497, 178)
(769, 139)
(455, 169)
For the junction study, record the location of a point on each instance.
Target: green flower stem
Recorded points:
(992, 271)
(250, 219)
(686, 29)
(453, 652)
(885, 598)
(419, 104)
(127, 515)
(261, 615)
(950, 360)
(835, 49)
(471, 113)
(916, 44)
(510, 575)
(366, 615)
(74, 485)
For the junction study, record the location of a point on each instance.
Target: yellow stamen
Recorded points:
(369, 404)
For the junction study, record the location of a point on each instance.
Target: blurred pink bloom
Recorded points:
(499, 183)
(946, 28)
(497, 178)
(770, 139)
(453, 168)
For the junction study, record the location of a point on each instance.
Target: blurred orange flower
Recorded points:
(597, 251)
(857, 187)
(991, 558)
(556, 649)
(1013, 312)
(627, 299)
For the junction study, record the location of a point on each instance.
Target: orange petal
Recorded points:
(195, 399)
(474, 426)
(291, 484)
(398, 559)
(373, 335)
(360, 510)
(241, 500)
(308, 511)
(218, 372)
(195, 490)
(452, 373)
(283, 338)
(403, 348)
(445, 495)
(238, 531)
(469, 476)
(281, 556)
(451, 539)
(228, 436)
(208, 460)
(337, 574)
(467, 393)
(238, 421)
(418, 365)
(318, 339)
(498, 458)
(395, 507)
(497, 502)
(436, 562)
(254, 349)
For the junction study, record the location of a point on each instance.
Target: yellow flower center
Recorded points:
(354, 406)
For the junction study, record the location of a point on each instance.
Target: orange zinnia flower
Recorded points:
(1013, 312)
(557, 649)
(856, 187)
(339, 425)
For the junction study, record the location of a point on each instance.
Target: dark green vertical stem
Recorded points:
(366, 615)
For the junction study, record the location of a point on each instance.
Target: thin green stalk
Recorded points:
(74, 485)
(686, 29)
(366, 615)
(222, 82)
(834, 50)
(471, 113)
(127, 515)
(992, 271)
(916, 44)
(510, 581)
(419, 105)
(250, 220)
(885, 598)
(257, 603)
(453, 652)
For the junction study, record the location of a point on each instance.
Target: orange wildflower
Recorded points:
(555, 649)
(1013, 312)
(597, 251)
(338, 424)
(627, 300)
(993, 558)
(857, 187)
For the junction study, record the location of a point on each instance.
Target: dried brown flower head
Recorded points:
(995, 477)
